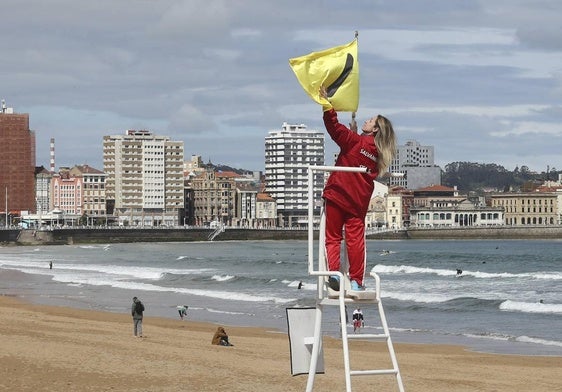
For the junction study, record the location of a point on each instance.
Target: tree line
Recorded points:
(471, 176)
(485, 177)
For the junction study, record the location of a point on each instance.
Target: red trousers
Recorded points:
(336, 221)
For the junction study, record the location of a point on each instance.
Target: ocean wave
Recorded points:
(530, 307)
(210, 310)
(418, 297)
(226, 295)
(409, 330)
(442, 302)
(527, 339)
(521, 339)
(189, 258)
(139, 272)
(222, 278)
(503, 338)
(467, 304)
(406, 269)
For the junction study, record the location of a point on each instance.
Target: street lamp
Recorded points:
(6, 207)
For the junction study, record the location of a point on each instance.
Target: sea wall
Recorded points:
(9, 236)
(124, 235)
(498, 232)
(117, 235)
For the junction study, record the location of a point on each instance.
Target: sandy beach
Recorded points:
(46, 348)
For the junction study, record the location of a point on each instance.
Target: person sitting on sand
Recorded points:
(221, 338)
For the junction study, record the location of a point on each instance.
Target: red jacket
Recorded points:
(351, 191)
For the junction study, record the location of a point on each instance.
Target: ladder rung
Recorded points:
(367, 336)
(335, 301)
(372, 372)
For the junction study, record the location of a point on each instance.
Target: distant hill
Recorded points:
(481, 177)
(222, 167)
(469, 176)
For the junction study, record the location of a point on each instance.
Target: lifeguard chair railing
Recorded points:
(317, 266)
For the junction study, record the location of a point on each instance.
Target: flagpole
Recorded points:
(353, 124)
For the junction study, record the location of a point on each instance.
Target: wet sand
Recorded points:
(48, 348)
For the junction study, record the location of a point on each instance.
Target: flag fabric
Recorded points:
(337, 69)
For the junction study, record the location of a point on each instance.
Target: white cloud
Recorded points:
(531, 128)
(508, 111)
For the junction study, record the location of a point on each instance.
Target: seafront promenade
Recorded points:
(68, 236)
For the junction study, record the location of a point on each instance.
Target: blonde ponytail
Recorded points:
(385, 141)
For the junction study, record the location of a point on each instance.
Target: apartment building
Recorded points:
(530, 208)
(17, 163)
(42, 189)
(144, 183)
(93, 192)
(556, 188)
(376, 214)
(246, 198)
(214, 197)
(266, 211)
(394, 211)
(67, 193)
(417, 162)
(288, 154)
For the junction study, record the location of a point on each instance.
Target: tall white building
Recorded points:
(417, 162)
(288, 153)
(144, 184)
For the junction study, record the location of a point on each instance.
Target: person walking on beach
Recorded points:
(182, 310)
(137, 310)
(357, 319)
(347, 195)
(51, 264)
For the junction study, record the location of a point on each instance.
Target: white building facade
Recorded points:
(288, 154)
(455, 213)
(417, 162)
(394, 211)
(144, 180)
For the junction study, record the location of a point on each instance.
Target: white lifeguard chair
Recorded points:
(328, 297)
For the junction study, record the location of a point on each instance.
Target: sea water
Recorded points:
(507, 299)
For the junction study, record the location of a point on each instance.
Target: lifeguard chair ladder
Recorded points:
(328, 297)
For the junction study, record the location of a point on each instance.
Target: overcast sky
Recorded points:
(479, 80)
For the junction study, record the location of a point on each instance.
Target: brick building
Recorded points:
(17, 162)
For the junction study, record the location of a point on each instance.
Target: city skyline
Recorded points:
(480, 81)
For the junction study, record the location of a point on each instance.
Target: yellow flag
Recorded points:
(337, 69)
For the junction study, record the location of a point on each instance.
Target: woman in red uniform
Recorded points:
(347, 195)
